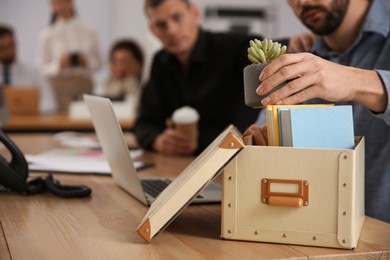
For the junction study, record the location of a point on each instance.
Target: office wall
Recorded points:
(129, 20)
(29, 17)
(279, 20)
(121, 18)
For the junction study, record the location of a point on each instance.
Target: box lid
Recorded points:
(179, 194)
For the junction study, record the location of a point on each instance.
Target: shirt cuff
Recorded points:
(385, 77)
(50, 69)
(261, 119)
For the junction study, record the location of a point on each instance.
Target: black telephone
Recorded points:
(14, 174)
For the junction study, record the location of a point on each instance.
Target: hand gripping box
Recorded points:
(295, 196)
(287, 195)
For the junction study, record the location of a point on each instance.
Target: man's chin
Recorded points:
(177, 50)
(315, 27)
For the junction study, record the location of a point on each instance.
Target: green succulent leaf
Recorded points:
(264, 43)
(252, 51)
(253, 59)
(270, 44)
(283, 50)
(258, 43)
(252, 44)
(271, 51)
(275, 52)
(262, 57)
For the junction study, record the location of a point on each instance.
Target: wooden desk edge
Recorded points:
(55, 122)
(379, 250)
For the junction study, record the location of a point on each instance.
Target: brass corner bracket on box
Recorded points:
(232, 142)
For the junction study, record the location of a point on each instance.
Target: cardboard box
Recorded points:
(295, 196)
(22, 100)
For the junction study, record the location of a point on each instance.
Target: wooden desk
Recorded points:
(52, 123)
(104, 225)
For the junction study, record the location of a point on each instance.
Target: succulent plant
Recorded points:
(264, 51)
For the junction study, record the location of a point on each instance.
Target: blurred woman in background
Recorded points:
(68, 54)
(67, 45)
(126, 64)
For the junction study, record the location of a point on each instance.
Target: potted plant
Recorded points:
(260, 53)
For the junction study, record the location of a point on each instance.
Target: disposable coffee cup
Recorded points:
(185, 120)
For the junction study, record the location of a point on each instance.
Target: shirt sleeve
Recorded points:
(385, 76)
(47, 99)
(46, 62)
(152, 115)
(94, 59)
(261, 119)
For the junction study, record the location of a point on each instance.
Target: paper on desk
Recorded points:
(75, 161)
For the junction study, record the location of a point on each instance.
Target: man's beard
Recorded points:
(333, 17)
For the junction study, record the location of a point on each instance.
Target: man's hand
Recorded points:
(259, 134)
(313, 77)
(172, 142)
(65, 60)
(301, 43)
(83, 60)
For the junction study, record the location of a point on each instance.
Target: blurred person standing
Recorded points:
(68, 53)
(67, 45)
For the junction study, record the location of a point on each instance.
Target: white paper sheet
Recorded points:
(78, 161)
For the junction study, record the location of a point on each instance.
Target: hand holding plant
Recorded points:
(260, 53)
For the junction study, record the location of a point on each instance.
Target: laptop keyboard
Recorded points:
(155, 186)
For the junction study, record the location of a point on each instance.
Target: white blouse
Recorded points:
(67, 36)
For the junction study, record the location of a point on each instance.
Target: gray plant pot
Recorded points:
(252, 82)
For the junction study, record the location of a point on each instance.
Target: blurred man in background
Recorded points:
(195, 68)
(13, 73)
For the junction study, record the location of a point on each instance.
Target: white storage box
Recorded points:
(295, 196)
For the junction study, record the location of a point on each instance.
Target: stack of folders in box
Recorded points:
(310, 126)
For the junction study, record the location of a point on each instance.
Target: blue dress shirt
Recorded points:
(371, 50)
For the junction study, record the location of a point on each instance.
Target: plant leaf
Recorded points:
(253, 59)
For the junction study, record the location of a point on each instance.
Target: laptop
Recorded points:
(22, 100)
(110, 136)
